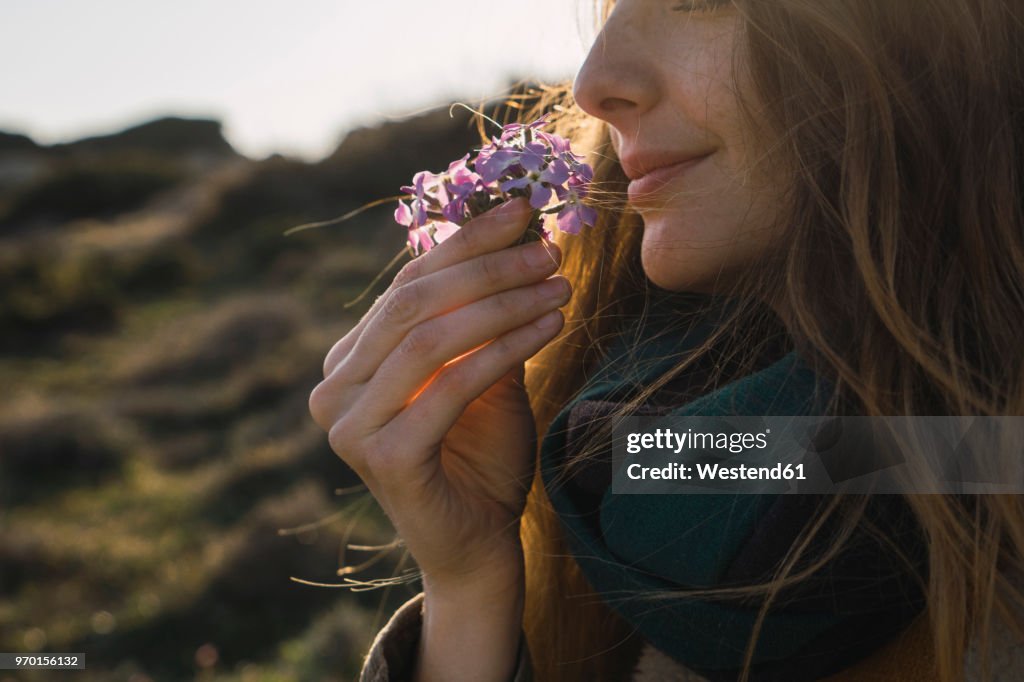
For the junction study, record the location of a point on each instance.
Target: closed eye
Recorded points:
(699, 5)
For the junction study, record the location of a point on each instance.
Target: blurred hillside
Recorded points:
(160, 476)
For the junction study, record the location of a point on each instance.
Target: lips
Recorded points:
(637, 164)
(656, 174)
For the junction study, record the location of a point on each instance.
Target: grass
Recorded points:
(160, 439)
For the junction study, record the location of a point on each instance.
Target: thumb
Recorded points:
(516, 375)
(508, 392)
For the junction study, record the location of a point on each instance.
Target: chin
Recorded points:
(677, 257)
(676, 267)
(678, 271)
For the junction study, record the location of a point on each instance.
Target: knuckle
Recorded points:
(320, 404)
(504, 346)
(344, 444)
(491, 269)
(522, 263)
(329, 364)
(385, 463)
(409, 272)
(401, 305)
(469, 240)
(422, 340)
(511, 303)
(452, 381)
(336, 356)
(343, 373)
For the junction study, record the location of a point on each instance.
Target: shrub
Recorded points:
(56, 446)
(92, 190)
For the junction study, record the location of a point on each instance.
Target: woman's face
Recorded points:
(661, 77)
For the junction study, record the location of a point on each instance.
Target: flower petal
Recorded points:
(491, 167)
(588, 214)
(418, 238)
(540, 195)
(569, 220)
(453, 210)
(443, 230)
(458, 164)
(514, 183)
(559, 145)
(403, 214)
(419, 212)
(556, 173)
(533, 156)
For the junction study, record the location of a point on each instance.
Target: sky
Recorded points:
(288, 77)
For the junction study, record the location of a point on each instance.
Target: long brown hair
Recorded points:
(901, 278)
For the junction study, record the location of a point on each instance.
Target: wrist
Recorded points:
(500, 582)
(501, 572)
(472, 631)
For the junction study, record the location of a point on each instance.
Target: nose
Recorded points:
(617, 81)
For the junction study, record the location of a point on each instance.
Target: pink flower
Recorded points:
(494, 160)
(522, 161)
(510, 130)
(415, 214)
(540, 176)
(574, 215)
(464, 183)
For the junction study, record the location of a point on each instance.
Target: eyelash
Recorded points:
(699, 5)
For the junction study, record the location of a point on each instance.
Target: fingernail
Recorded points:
(512, 207)
(539, 255)
(549, 321)
(555, 287)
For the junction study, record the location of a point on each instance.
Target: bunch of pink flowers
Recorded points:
(523, 162)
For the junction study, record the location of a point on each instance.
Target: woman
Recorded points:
(839, 207)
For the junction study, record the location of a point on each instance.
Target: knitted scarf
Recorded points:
(629, 545)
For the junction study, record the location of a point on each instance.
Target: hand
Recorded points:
(424, 398)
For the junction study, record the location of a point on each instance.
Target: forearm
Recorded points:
(471, 632)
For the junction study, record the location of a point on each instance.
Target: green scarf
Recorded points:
(636, 544)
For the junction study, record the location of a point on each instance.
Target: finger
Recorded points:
(440, 293)
(431, 415)
(439, 340)
(496, 229)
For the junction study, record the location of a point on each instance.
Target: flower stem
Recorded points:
(351, 214)
(472, 110)
(554, 209)
(533, 231)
